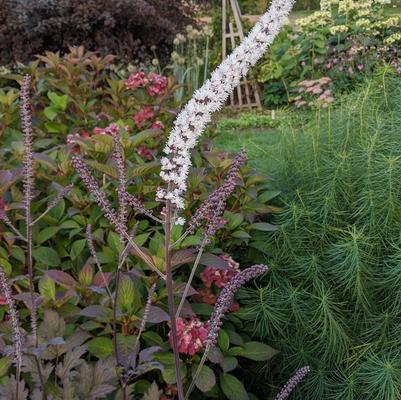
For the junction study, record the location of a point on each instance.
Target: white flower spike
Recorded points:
(193, 119)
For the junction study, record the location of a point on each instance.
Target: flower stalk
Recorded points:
(15, 326)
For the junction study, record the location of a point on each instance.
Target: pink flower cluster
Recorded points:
(220, 277)
(191, 335)
(144, 115)
(136, 80)
(155, 84)
(314, 92)
(72, 139)
(158, 84)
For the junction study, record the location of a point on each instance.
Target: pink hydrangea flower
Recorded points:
(191, 335)
(299, 104)
(145, 152)
(136, 80)
(158, 84)
(109, 130)
(220, 277)
(157, 125)
(143, 115)
(99, 131)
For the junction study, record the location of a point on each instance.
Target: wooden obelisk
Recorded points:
(245, 95)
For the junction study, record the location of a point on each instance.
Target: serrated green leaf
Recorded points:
(50, 112)
(45, 234)
(129, 298)
(229, 364)
(169, 376)
(256, 351)
(113, 240)
(47, 288)
(77, 248)
(101, 347)
(5, 363)
(60, 101)
(241, 235)
(6, 266)
(263, 226)
(46, 256)
(206, 378)
(223, 340)
(232, 387)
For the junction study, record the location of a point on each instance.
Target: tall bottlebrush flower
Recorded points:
(292, 382)
(108, 211)
(212, 209)
(15, 325)
(26, 125)
(193, 119)
(226, 298)
(100, 198)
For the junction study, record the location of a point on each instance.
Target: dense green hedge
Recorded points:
(122, 27)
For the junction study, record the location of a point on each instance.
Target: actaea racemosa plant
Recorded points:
(175, 166)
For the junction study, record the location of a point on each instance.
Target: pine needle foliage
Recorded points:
(332, 299)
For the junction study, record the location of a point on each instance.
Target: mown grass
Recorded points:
(258, 133)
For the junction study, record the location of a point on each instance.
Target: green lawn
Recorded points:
(260, 144)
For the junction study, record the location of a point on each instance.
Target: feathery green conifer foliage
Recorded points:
(332, 299)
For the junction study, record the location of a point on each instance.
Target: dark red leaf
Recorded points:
(61, 277)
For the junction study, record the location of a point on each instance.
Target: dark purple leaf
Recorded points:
(8, 176)
(214, 261)
(179, 290)
(95, 311)
(61, 277)
(99, 279)
(181, 257)
(146, 355)
(57, 341)
(157, 315)
(26, 298)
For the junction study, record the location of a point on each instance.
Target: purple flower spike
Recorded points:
(212, 209)
(12, 310)
(93, 188)
(226, 299)
(292, 382)
(26, 126)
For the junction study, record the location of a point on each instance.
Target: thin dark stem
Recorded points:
(32, 294)
(118, 360)
(117, 283)
(42, 382)
(124, 391)
(171, 308)
(191, 277)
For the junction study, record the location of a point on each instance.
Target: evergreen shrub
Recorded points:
(332, 297)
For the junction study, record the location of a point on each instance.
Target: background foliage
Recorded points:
(346, 42)
(32, 27)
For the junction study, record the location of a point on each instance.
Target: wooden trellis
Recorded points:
(246, 95)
